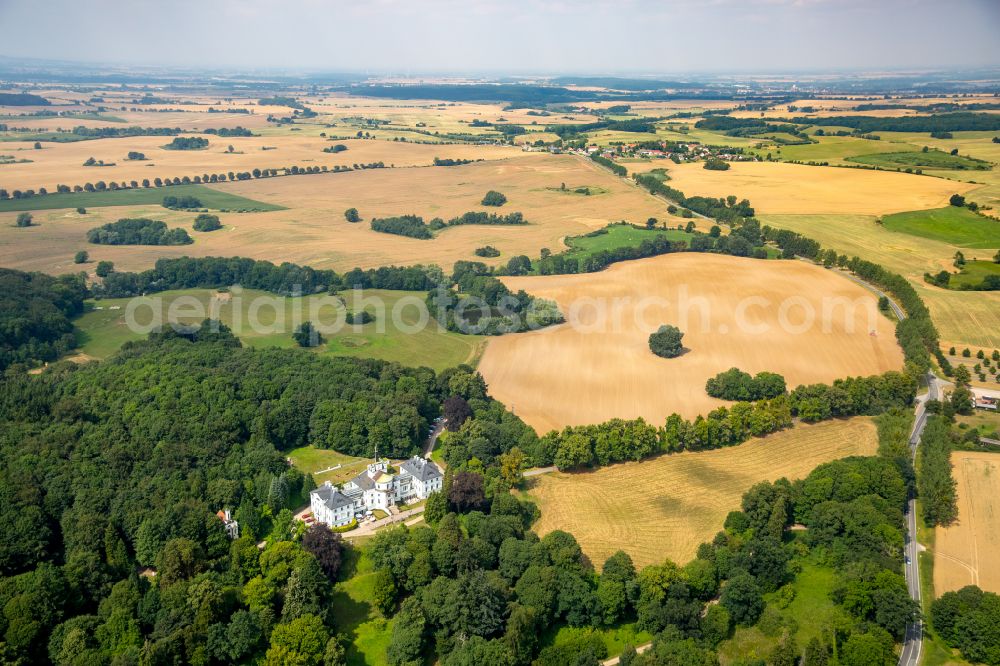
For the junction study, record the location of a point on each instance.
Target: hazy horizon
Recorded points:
(492, 37)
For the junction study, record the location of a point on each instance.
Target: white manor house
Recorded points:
(375, 488)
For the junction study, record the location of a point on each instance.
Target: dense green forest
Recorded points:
(35, 315)
(121, 465)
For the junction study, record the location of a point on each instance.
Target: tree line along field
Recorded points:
(968, 552)
(591, 370)
(102, 332)
(666, 506)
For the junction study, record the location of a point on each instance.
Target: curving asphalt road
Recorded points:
(913, 638)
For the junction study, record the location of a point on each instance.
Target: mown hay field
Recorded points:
(746, 313)
(774, 187)
(62, 163)
(665, 507)
(968, 552)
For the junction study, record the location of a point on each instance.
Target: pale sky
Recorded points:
(510, 36)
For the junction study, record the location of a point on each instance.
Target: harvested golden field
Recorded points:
(775, 187)
(665, 507)
(962, 318)
(62, 163)
(968, 552)
(745, 313)
(314, 232)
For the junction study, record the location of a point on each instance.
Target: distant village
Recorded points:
(677, 153)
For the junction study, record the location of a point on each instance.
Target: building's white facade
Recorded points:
(375, 488)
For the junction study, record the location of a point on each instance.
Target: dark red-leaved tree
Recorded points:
(467, 493)
(326, 546)
(456, 412)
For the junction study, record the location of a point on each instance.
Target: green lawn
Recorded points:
(974, 272)
(101, 333)
(988, 423)
(951, 224)
(368, 633)
(209, 197)
(311, 460)
(932, 159)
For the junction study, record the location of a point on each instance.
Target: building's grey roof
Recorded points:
(363, 481)
(421, 469)
(332, 498)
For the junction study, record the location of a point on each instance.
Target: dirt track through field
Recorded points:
(757, 319)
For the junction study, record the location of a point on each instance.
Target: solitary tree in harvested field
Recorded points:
(24, 220)
(207, 222)
(666, 341)
(81, 257)
(494, 198)
(351, 215)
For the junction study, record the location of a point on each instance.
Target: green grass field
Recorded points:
(368, 633)
(973, 273)
(836, 149)
(619, 235)
(209, 197)
(951, 224)
(932, 159)
(101, 333)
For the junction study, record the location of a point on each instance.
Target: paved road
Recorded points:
(913, 638)
(432, 438)
(892, 304)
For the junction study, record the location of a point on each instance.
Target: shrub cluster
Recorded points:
(138, 231)
(734, 384)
